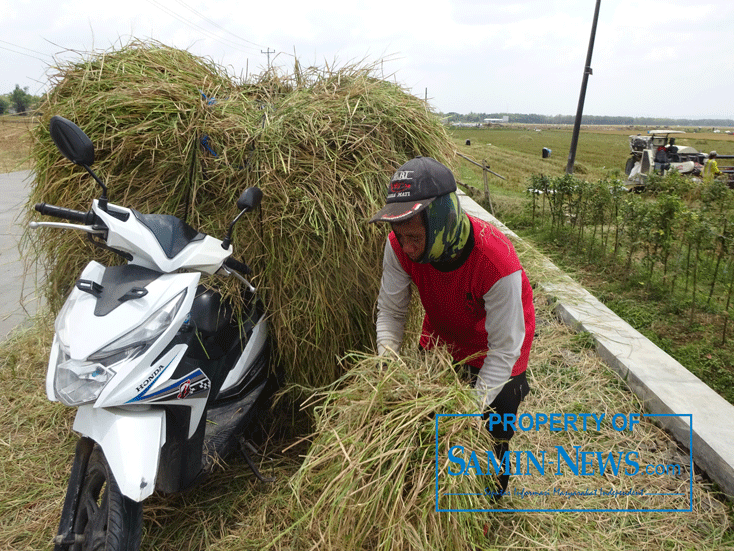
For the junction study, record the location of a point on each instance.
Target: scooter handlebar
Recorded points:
(241, 267)
(88, 218)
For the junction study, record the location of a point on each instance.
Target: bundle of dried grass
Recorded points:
(176, 135)
(369, 478)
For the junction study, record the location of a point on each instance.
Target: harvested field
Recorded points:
(15, 138)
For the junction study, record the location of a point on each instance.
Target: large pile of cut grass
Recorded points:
(176, 135)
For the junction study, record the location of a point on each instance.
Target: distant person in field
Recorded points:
(477, 299)
(661, 160)
(672, 151)
(711, 168)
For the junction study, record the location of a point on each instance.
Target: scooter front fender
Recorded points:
(131, 440)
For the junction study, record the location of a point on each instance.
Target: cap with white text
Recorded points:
(413, 187)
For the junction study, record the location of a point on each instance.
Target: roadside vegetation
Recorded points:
(18, 102)
(17, 119)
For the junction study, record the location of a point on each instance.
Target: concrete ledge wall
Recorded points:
(662, 384)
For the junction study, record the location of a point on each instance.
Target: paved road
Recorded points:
(17, 288)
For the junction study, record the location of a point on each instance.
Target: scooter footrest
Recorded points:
(244, 447)
(224, 423)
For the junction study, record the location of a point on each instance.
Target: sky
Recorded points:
(651, 58)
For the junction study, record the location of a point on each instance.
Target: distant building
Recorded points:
(506, 118)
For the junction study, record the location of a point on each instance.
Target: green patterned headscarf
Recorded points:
(447, 229)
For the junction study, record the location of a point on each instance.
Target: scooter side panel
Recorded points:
(253, 348)
(51, 369)
(131, 441)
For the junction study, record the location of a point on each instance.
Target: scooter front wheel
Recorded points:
(100, 517)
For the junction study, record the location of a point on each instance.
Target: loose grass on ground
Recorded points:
(325, 488)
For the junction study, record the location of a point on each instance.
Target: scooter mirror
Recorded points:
(250, 199)
(74, 144)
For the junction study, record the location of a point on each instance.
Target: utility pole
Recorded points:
(582, 95)
(268, 51)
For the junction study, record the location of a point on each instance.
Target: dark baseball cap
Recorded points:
(413, 187)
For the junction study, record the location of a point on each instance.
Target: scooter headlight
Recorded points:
(81, 381)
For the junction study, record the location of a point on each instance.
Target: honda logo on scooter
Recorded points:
(150, 378)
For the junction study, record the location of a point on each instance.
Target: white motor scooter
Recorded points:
(165, 376)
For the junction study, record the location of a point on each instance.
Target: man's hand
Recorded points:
(388, 348)
(484, 394)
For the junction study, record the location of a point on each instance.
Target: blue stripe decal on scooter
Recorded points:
(196, 378)
(174, 386)
(151, 383)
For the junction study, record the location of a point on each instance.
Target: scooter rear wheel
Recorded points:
(104, 519)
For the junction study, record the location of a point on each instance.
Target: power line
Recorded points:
(194, 25)
(214, 23)
(23, 53)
